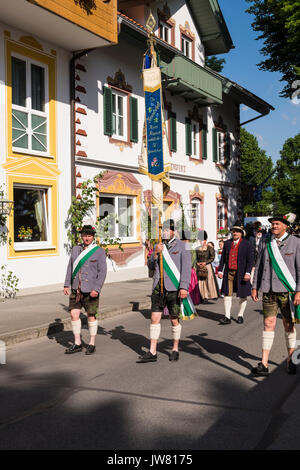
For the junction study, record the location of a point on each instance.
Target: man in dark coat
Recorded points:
(235, 270)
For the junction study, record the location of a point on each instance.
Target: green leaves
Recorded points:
(279, 25)
(8, 283)
(287, 181)
(255, 167)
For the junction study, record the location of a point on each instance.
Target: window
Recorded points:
(195, 214)
(29, 106)
(31, 215)
(221, 215)
(165, 32)
(119, 115)
(220, 147)
(117, 216)
(195, 140)
(186, 46)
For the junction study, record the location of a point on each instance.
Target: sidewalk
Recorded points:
(31, 316)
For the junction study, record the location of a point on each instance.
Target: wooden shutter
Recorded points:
(188, 136)
(215, 144)
(173, 134)
(107, 111)
(204, 142)
(227, 147)
(133, 119)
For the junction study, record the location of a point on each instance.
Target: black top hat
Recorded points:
(238, 226)
(202, 235)
(88, 229)
(169, 224)
(281, 218)
(186, 234)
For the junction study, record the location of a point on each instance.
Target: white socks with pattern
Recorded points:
(76, 326)
(227, 305)
(290, 339)
(93, 327)
(176, 332)
(242, 304)
(155, 331)
(267, 340)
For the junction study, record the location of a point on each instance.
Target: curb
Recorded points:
(47, 329)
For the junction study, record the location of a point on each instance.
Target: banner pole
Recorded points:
(161, 266)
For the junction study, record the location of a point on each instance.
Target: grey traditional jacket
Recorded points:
(265, 278)
(181, 256)
(91, 275)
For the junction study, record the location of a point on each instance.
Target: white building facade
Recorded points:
(72, 109)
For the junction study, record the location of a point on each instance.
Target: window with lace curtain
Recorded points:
(117, 216)
(29, 106)
(31, 215)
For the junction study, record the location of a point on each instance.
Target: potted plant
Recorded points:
(24, 233)
(223, 232)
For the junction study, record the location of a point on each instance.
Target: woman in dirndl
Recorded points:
(205, 256)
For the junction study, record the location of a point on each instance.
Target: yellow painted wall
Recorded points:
(102, 20)
(24, 168)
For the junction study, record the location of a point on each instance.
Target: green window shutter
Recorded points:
(215, 144)
(204, 142)
(107, 111)
(227, 148)
(173, 134)
(188, 136)
(133, 119)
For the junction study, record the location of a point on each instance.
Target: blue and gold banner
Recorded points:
(154, 133)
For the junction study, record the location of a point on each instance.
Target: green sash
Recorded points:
(284, 275)
(82, 258)
(188, 311)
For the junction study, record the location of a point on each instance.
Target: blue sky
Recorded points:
(274, 129)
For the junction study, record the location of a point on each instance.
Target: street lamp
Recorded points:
(6, 206)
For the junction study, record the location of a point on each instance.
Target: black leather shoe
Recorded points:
(225, 321)
(147, 357)
(260, 370)
(291, 367)
(90, 349)
(174, 356)
(240, 320)
(73, 349)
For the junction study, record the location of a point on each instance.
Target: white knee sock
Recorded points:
(267, 339)
(93, 327)
(155, 330)
(227, 305)
(176, 331)
(242, 303)
(76, 326)
(290, 339)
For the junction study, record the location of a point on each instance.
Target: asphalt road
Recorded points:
(206, 400)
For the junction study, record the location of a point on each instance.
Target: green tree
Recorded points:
(255, 168)
(287, 180)
(214, 63)
(278, 21)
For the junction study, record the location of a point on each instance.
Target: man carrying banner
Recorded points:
(277, 275)
(86, 274)
(176, 279)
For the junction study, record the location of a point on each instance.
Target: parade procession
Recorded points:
(141, 223)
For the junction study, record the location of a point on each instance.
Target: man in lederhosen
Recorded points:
(171, 298)
(277, 275)
(86, 274)
(235, 269)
